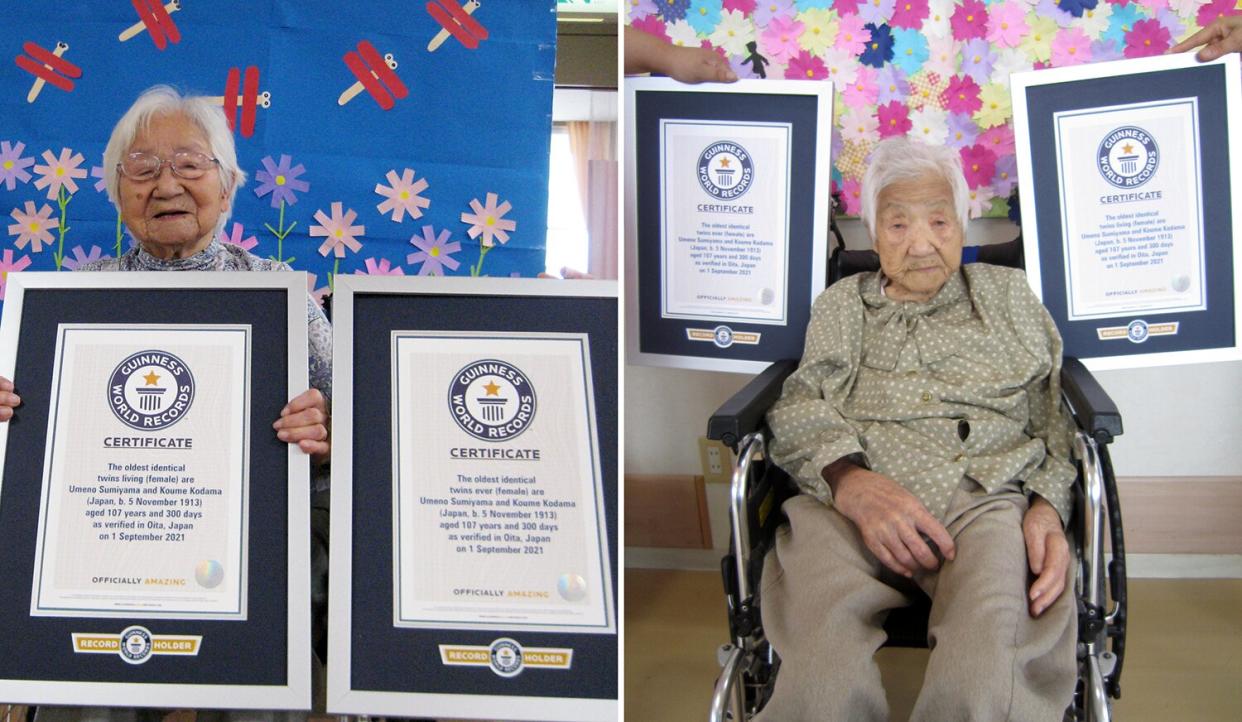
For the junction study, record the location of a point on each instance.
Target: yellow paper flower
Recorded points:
(996, 108)
(1038, 41)
(819, 29)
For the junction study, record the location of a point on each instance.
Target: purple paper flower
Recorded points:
(12, 165)
(1006, 175)
(876, 12)
(1052, 9)
(962, 130)
(892, 85)
(79, 257)
(765, 10)
(977, 59)
(281, 180)
(434, 252)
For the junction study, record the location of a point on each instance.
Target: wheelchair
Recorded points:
(749, 665)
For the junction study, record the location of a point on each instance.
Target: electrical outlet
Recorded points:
(716, 460)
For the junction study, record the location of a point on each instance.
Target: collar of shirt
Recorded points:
(207, 259)
(888, 323)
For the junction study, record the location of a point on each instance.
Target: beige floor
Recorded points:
(1183, 660)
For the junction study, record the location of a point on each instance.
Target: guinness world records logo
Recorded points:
(135, 645)
(1128, 157)
(505, 656)
(725, 170)
(492, 400)
(150, 390)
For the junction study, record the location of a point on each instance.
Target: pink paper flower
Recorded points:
(979, 165)
(780, 40)
(59, 172)
(403, 195)
(894, 119)
(1215, 9)
(863, 91)
(1147, 37)
(652, 25)
(970, 20)
(846, 7)
(979, 201)
(316, 293)
(998, 139)
(1072, 47)
(852, 38)
(379, 267)
(234, 238)
(8, 265)
(32, 227)
(962, 95)
(851, 194)
(745, 7)
(909, 14)
(434, 252)
(806, 67)
(338, 231)
(489, 221)
(1007, 24)
(77, 257)
(12, 165)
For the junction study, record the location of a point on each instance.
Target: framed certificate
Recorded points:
(727, 214)
(155, 528)
(475, 465)
(1128, 207)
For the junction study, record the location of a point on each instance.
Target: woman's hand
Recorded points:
(304, 421)
(8, 399)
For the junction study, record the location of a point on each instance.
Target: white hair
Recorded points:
(163, 100)
(901, 159)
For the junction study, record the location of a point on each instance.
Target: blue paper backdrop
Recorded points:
(475, 122)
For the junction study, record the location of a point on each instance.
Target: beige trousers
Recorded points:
(824, 598)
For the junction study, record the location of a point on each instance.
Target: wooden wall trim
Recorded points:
(1182, 514)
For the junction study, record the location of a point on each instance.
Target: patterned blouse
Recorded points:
(221, 257)
(966, 384)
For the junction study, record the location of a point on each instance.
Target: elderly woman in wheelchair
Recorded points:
(925, 432)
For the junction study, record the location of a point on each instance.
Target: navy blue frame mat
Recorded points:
(385, 658)
(1210, 329)
(668, 336)
(250, 652)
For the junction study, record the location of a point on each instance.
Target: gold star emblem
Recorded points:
(1127, 148)
(724, 162)
(492, 388)
(151, 377)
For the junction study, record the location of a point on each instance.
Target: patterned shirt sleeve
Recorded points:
(1054, 477)
(809, 432)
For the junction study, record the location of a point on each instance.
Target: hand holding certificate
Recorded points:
(9, 399)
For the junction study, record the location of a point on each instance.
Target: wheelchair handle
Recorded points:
(752, 444)
(728, 694)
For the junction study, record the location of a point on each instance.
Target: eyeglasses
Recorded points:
(146, 166)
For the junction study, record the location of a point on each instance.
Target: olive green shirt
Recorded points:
(964, 385)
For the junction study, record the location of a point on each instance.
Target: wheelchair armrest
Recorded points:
(1094, 412)
(743, 413)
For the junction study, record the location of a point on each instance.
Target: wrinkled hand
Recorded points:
(305, 421)
(1222, 36)
(1047, 552)
(698, 65)
(890, 519)
(8, 399)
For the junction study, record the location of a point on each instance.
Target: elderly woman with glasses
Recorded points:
(175, 177)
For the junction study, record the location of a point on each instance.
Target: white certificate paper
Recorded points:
(143, 510)
(497, 495)
(1132, 209)
(724, 230)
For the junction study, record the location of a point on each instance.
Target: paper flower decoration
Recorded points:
(703, 15)
(59, 172)
(32, 226)
(863, 91)
(488, 221)
(316, 293)
(435, 253)
(819, 30)
(879, 48)
(379, 267)
(671, 10)
(969, 20)
(909, 14)
(780, 41)
(12, 165)
(403, 195)
(1147, 37)
(1007, 23)
(8, 265)
(876, 12)
(768, 10)
(894, 119)
(852, 38)
(78, 257)
(281, 180)
(733, 32)
(1072, 47)
(235, 238)
(978, 164)
(806, 67)
(338, 231)
(962, 95)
